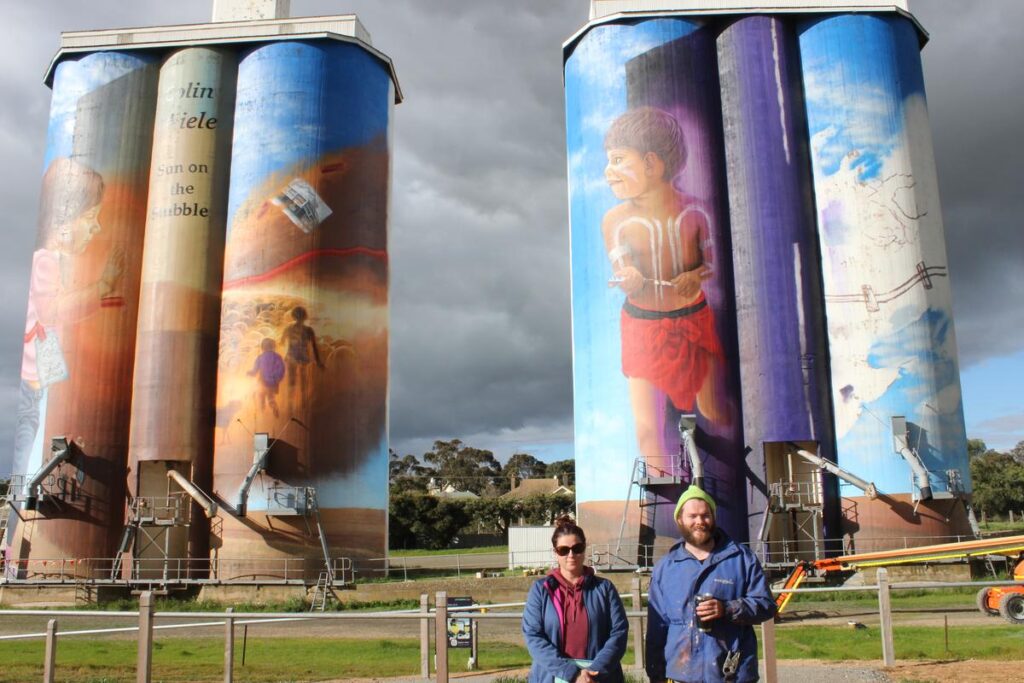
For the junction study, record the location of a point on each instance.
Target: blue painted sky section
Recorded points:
(595, 92)
(859, 72)
(875, 54)
(299, 100)
(74, 78)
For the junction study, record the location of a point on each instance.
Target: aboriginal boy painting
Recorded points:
(658, 243)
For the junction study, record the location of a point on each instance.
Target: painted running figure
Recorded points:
(658, 243)
(299, 340)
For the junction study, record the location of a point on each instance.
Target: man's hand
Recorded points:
(687, 285)
(712, 609)
(630, 280)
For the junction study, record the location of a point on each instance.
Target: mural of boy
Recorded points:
(269, 371)
(657, 240)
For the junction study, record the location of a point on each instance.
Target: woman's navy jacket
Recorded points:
(607, 636)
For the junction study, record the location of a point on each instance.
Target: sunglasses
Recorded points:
(563, 550)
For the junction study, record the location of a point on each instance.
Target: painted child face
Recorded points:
(628, 172)
(77, 234)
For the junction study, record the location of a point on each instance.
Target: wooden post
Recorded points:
(50, 662)
(474, 642)
(229, 647)
(144, 667)
(771, 668)
(425, 637)
(638, 624)
(885, 614)
(441, 636)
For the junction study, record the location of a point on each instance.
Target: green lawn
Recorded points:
(267, 659)
(910, 642)
(313, 659)
(450, 551)
(913, 598)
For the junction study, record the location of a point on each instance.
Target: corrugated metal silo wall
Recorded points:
(779, 311)
(887, 294)
(176, 353)
(653, 317)
(83, 299)
(304, 318)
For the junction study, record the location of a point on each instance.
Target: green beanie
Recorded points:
(690, 494)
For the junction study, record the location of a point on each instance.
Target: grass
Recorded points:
(267, 659)
(910, 642)
(296, 605)
(449, 551)
(1003, 525)
(913, 598)
(311, 659)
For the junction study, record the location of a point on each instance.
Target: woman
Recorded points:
(574, 623)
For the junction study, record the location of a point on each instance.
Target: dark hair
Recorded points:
(566, 526)
(647, 129)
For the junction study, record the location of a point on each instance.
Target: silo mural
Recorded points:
(304, 320)
(653, 335)
(80, 329)
(887, 295)
(176, 353)
(779, 311)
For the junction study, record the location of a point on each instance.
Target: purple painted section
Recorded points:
(681, 77)
(781, 331)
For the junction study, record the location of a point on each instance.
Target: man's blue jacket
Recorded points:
(606, 638)
(676, 649)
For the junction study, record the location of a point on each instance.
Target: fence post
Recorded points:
(144, 666)
(50, 662)
(771, 669)
(441, 636)
(638, 624)
(229, 646)
(885, 615)
(424, 637)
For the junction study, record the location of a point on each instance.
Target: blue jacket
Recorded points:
(606, 639)
(676, 648)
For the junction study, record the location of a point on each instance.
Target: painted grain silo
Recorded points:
(780, 322)
(76, 377)
(205, 370)
(171, 446)
(653, 318)
(301, 455)
(894, 373)
(794, 141)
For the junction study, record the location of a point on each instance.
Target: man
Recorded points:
(722, 647)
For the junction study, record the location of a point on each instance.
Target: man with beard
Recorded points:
(706, 595)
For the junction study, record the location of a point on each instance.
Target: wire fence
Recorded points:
(431, 621)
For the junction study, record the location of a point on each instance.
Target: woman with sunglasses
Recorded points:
(574, 623)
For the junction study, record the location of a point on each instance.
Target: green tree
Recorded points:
(565, 470)
(1017, 452)
(975, 447)
(465, 467)
(524, 466)
(406, 474)
(418, 520)
(998, 483)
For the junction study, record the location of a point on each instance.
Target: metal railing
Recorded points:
(172, 570)
(229, 619)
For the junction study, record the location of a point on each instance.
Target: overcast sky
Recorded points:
(479, 242)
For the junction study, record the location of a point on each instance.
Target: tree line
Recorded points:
(471, 469)
(997, 478)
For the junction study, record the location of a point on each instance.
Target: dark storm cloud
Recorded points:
(479, 236)
(976, 101)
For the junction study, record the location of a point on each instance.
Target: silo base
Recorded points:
(287, 547)
(890, 521)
